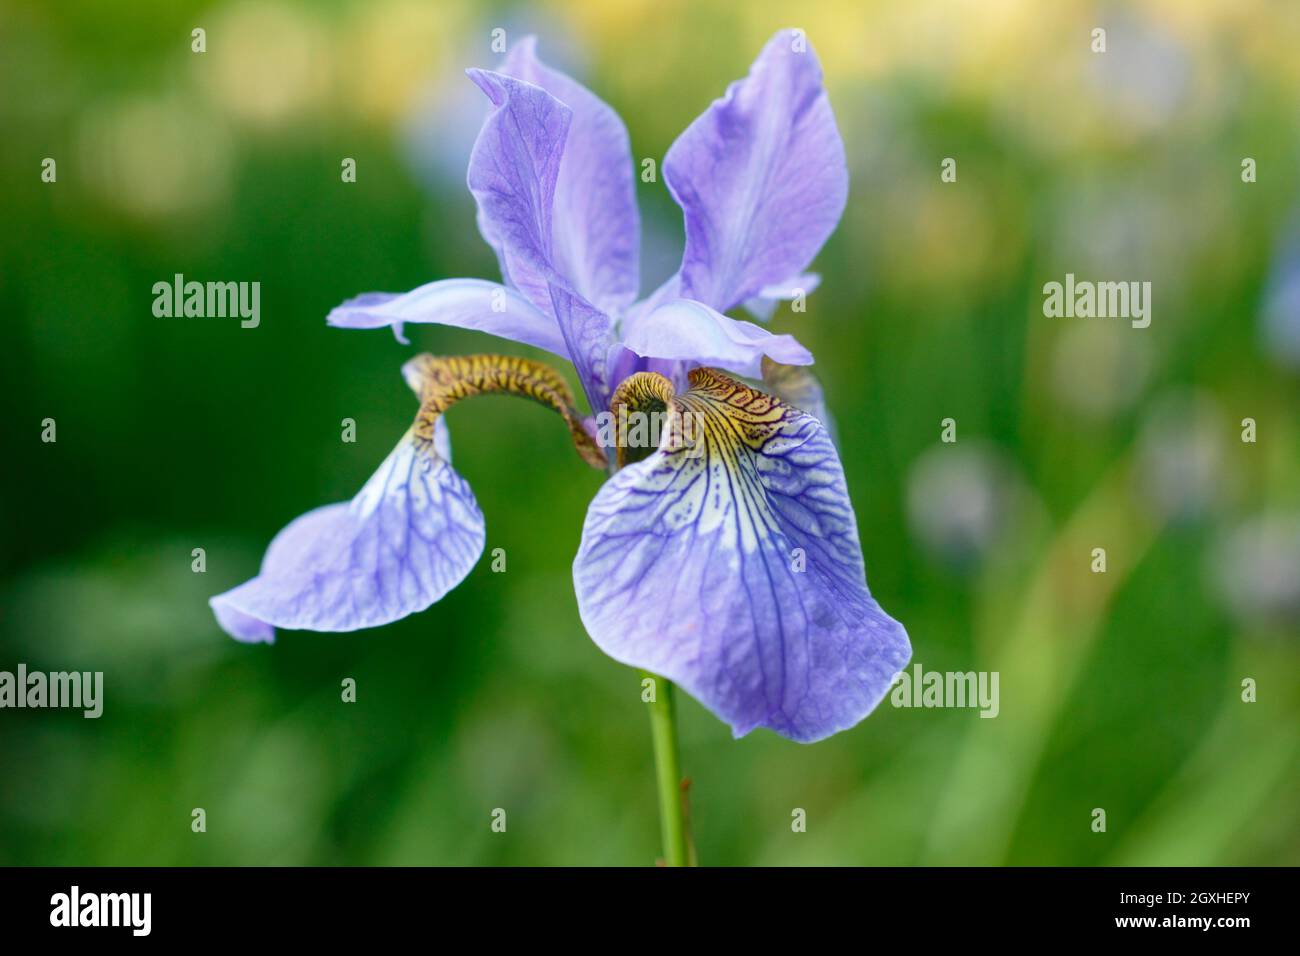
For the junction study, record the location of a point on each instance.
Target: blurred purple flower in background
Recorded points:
(967, 503)
(1280, 328)
(1183, 464)
(1255, 569)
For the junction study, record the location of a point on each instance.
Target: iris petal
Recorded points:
(463, 303)
(409, 536)
(691, 331)
(761, 177)
(413, 531)
(596, 227)
(731, 565)
(512, 173)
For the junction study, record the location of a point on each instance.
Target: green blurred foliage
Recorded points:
(1119, 691)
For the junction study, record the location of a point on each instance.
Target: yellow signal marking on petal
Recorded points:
(730, 413)
(716, 409)
(745, 406)
(442, 381)
(722, 436)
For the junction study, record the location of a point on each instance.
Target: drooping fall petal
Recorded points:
(728, 561)
(413, 531)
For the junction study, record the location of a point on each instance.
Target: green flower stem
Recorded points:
(672, 810)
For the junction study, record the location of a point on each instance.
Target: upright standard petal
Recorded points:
(413, 531)
(512, 174)
(463, 303)
(596, 231)
(760, 176)
(728, 561)
(691, 331)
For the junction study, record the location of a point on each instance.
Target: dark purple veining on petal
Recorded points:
(408, 537)
(738, 573)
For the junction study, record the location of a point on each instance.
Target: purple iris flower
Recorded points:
(730, 563)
